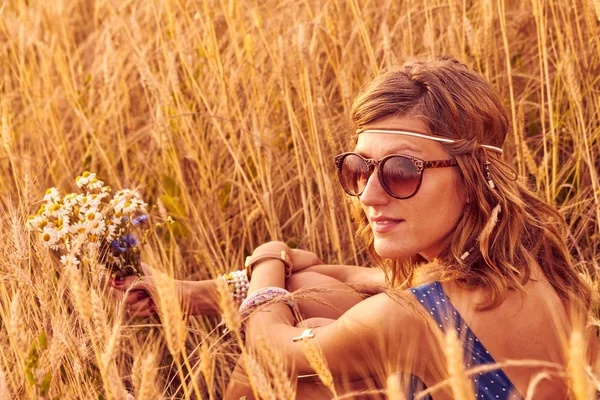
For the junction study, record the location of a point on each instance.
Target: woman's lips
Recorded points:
(384, 225)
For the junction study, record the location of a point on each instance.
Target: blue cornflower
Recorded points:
(129, 240)
(140, 219)
(117, 246)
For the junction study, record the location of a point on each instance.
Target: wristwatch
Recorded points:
(275, 255)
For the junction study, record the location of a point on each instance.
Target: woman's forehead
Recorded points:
(381, 144)
(377, 145)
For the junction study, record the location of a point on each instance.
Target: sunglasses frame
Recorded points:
(373, 164)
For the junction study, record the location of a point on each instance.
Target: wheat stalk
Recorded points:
(394, 389)
(80, 294)
(460, 383)
(16, 327)
(260, 380)
(206, 366)
(274, 364)
(4, 390)
(576, 367)
(317, 361)
(228, 307)
(597, 8)
(98, 317)
(147, 384)
(533, 384)
(170, 312)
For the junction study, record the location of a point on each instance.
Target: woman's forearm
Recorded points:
(350, 274)
(199, 297)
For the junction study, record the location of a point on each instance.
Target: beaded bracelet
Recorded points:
(238, 284)
(263, 296)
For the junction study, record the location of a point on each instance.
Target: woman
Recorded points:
(451, 221)
(479, 253)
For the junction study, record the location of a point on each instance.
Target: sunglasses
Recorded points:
(400, 176)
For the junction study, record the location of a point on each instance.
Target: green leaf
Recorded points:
(43, 340)
(174, 205)
(45, 385)
(224, 193)
(170, 185)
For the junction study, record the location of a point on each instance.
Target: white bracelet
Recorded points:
(238, 284)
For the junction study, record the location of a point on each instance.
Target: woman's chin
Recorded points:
(391, 250)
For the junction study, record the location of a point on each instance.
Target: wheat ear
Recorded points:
(576, 368)
(80, 295)
(4, 391)
(147, 389)
(207, 367)
(318, 364)
(460, 383)
(394, 388)
(275, 366)
(98, 317)
(16, 327)
(170, 314)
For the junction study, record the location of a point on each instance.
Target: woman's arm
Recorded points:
(350, 274)
(196, 297)
(356, 344)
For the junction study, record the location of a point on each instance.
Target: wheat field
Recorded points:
(226, 115)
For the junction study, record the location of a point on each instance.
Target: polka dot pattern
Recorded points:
(490, 385)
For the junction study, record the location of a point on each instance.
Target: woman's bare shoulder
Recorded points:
(390, 317)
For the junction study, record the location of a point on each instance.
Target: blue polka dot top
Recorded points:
(491, 385)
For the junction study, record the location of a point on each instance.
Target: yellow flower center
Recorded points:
(46, 237)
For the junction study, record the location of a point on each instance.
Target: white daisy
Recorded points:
(49, 236)
(94, 184)
(79, 228)
(98, 228)
(34, 223)
(69, 260)
(111, 232)
(92, 216)
(85, 179)
(52, 195)
(131, 206)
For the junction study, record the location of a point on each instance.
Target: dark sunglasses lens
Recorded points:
(354, 174)
(400, 177)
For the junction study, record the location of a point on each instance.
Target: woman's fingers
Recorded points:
(126, 282)
(303, 259)
(134, 296)
(141, 308)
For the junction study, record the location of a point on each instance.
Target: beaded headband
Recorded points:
(424, 136)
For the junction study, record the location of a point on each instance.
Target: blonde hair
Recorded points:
(458, 103)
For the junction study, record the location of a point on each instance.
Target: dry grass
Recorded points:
(226, 115)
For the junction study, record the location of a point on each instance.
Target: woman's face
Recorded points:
(422, 224)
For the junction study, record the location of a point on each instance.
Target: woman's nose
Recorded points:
(373, 192)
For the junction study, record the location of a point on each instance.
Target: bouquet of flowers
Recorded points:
(94, 223)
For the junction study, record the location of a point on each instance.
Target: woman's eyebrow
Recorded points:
(393, 150)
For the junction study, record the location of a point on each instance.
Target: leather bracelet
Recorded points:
(281, 256)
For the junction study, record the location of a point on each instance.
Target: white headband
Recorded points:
(421, 135)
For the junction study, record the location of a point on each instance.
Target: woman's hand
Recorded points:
(136, 292)
(303, 259)
(300, 258)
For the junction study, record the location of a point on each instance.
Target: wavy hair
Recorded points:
(458, 103)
